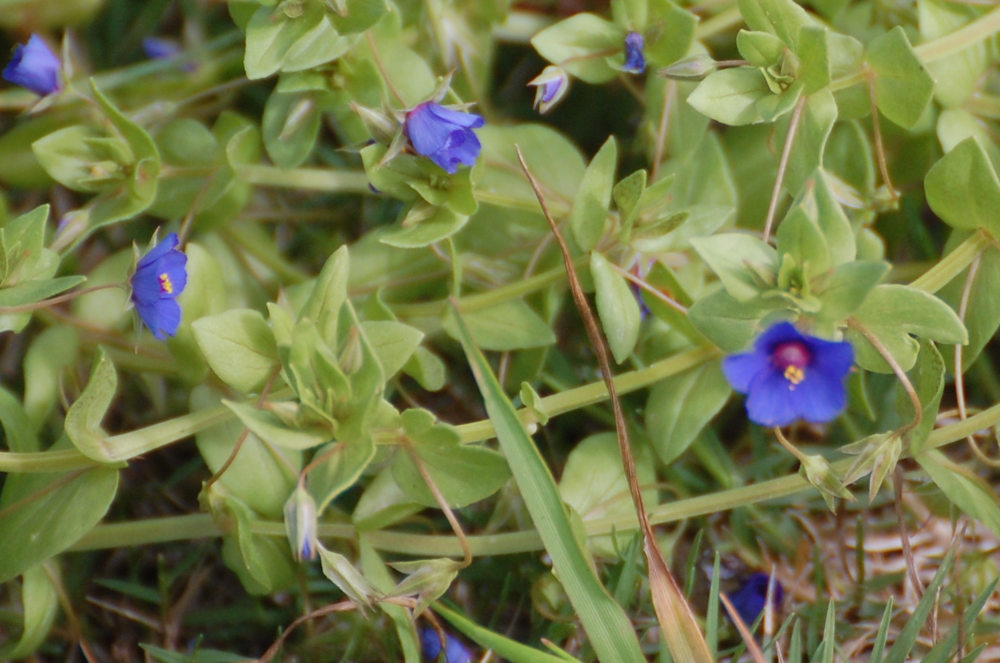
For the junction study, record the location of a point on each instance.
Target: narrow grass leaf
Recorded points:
(908, 636)
(883, 632)
(942, 652)
(610, 631)
(502, 646)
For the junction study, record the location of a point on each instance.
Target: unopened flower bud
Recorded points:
(693, 68)
(300, 524)
(552, 85)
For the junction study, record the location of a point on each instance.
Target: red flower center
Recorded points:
(792, 357)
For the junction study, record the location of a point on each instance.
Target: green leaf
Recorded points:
(760, 49)
(729, 323)
(616, 306)
(328, 294)
(588, 217)
(510, 325)
(782, 18)
(393, 342)
(290, 127)
(352, 16)
(845, 290)
(816, 123)
(903, 88)
(44, 514)
(963, 487)
(239, 346)
(982, 319)
(40, 606)
(669, 33)
(608, 627)
(744, 263)
(280, 40)
(263, 563)
(463, 473)
(963, 189)
(892, 312)
(730, 96)
(814, 61)
(680, 406)
(799, 236)
(260, 475)
(343, 463)
(51, 352)
(576, 44)
(627, 195)
(424, 226)
(273, 430)
(83, 419)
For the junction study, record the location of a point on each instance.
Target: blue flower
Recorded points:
(35, 67)
(158, 47)
(454, 651)
(750, 598)
(635, 60)
(552, 84)
(160, 276)
(443, 135)
(789, 375)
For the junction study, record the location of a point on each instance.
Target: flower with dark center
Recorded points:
(789, 376)
(160, 276)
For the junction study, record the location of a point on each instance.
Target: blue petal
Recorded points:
(145, 285)
(157, 47)
(35, 67)
(458, 118)
(463, 147)
(834, 358)
(778, 333)
(174, 265)
(740, 370)
(751, 597)
(769, 400)
(169, 318)
(454, 652)
(635, 60)
(426, 133)
(820, 397)
(168, 244)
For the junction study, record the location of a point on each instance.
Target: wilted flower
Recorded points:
(444, 135)
(635, 59)
(35, 67)
(160, 276)
(750, 599)
(454, 651)
(789, 375)
(552, 84)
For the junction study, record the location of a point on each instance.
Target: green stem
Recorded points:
(952, 264)
(982, 28)
(312, 179)
(482, 300)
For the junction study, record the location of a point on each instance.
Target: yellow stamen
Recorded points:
(795, 375)
(167, 286)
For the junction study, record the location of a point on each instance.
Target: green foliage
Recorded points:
(355, 321)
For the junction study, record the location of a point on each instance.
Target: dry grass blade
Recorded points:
(677, 621)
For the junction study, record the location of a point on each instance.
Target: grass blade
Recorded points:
(610, 631)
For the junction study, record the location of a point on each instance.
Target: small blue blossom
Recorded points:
(552, 85)
(750, 599)
(454, 652)
(160, 276)
(158, 47)
(443, 135)
(35, 67)
(789, 376)
(635, 59)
